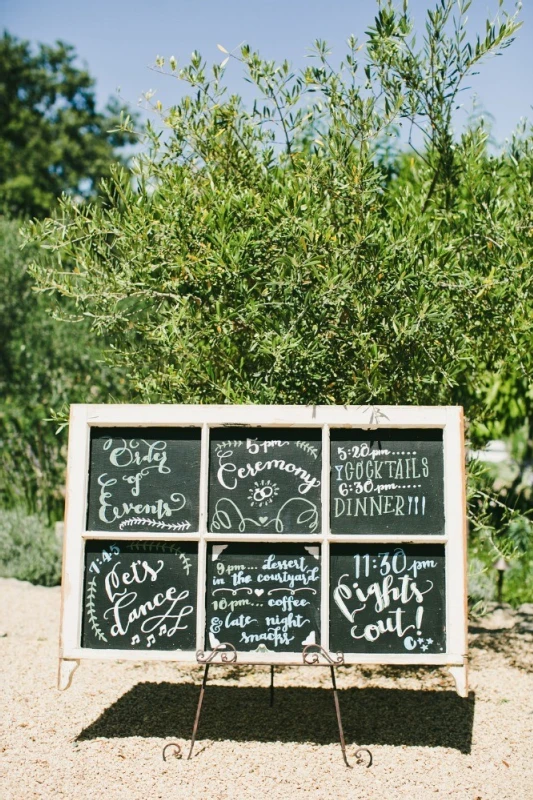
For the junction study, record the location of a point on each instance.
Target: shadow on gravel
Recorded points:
(370, 716)
(516, 645)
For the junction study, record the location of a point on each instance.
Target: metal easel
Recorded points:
(313, 655)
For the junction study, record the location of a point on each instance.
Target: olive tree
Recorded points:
(269, 254)
(296, 249)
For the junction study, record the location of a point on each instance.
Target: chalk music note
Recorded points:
(136, 639)
(150, 641)
(162, 630)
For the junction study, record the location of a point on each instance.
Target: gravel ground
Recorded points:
(105, 734)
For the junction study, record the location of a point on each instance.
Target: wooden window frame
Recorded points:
(449, 419)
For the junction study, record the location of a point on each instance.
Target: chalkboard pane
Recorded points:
(140, 595)
(387, 599)
(387, 482)
(265, 480)
(144, 479)
(263, 596)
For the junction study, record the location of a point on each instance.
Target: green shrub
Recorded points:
(29, 549)
(501, 523)
(481, 583)
(518, 581)
(483, 578)
(287, 251)
(45, 364)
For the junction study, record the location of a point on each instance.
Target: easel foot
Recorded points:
(228, 655)
(360, 759)
(312, 654)
(66, 670)
(176, 753)
(460, 676)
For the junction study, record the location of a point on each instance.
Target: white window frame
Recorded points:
(449, 419)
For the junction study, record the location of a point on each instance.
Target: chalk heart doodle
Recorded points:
(228, 516)
(234, 466)
(264, 600)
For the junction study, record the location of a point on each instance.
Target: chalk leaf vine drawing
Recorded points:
(153, 523)
(309, 448)
(229, 443)
(165, 547)
(91, 594)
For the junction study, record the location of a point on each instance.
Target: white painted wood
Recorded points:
(75, 516)
(371, 417)
(200, 596)
(455, 514)
(304, 538)
(324, 549)
(202, 546)
(183, 656)
(188, 657)
(204, 478)
(381, 538)
(460, 676)
(325, 480)
(166, 536)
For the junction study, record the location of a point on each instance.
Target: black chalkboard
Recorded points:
(139, 595)
(265, 481)
(263, 596)
(144, 479)
(387, 482)
(387, 598)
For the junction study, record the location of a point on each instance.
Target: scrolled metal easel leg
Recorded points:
(361, 750)
(271, 685)
(198, 710)
(339, 719)
(315, 654)
(176, 753)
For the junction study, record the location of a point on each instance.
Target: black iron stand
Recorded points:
(198, 710)
(339, 718)
(228, 655)
(312, 655)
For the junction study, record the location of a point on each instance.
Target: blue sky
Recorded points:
(118, 40)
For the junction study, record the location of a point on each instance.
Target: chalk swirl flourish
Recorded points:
(223, 519)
